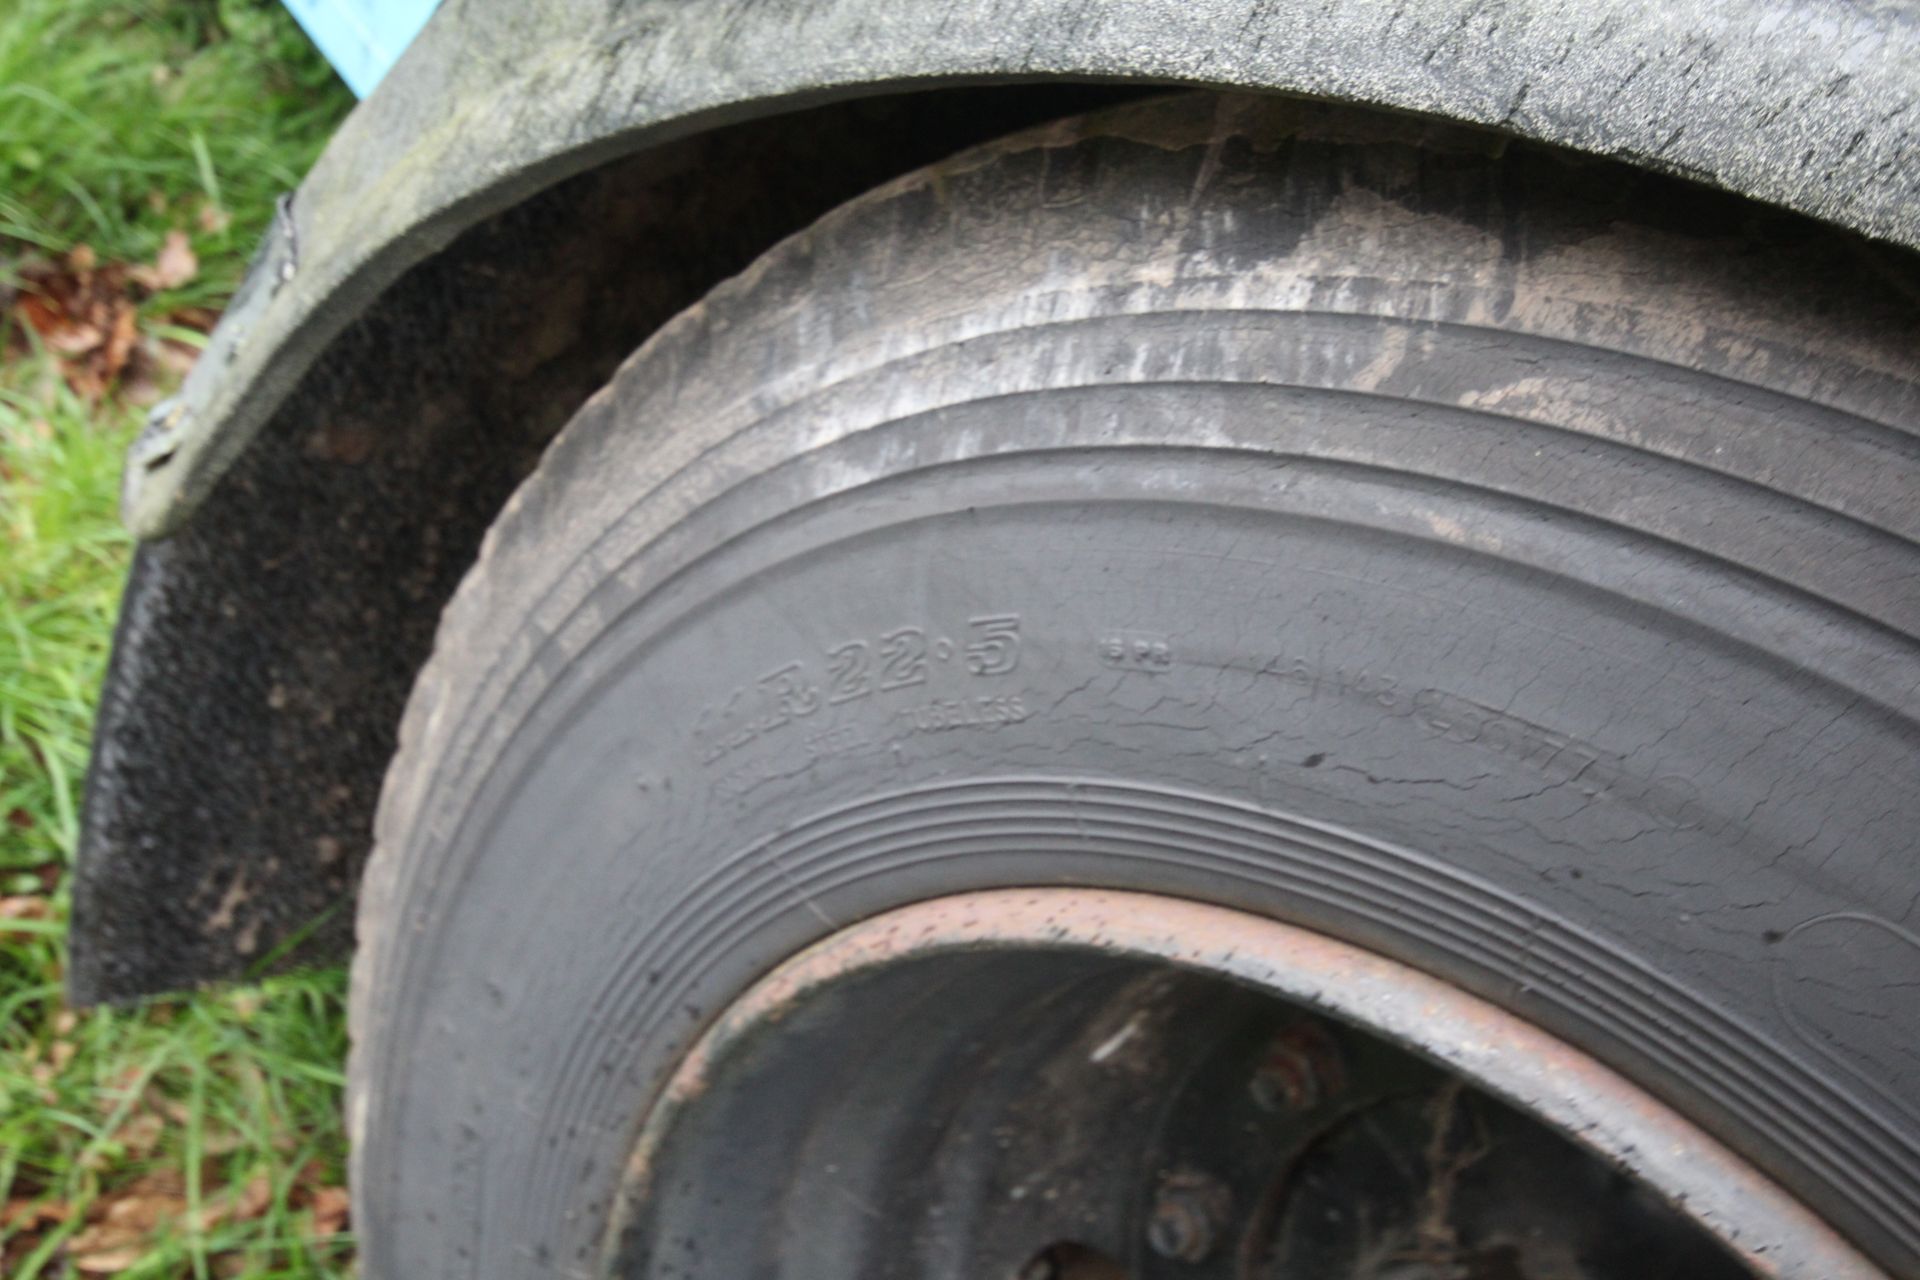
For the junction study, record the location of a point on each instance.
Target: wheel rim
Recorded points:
(1066, 1084)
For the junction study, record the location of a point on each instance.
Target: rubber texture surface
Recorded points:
(1504, 562)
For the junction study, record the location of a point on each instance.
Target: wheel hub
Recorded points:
(1081, 1085)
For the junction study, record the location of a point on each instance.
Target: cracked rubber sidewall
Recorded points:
(1327, 520)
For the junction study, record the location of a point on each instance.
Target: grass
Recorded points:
(194, 1136)
(122, 121)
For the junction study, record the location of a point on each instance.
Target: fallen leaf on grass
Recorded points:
(106, 1262)
(172, 267)
(30, 906)
(120, 1084)
(331, 1208)
(140, 1215)
(198, 319)
(124, 1223)
(330, 1205)
(213, 1141)
(26, 1215)
(84, 313)
(21, 1224)
(254, 1198)
(241, 1205)
(140, 1135)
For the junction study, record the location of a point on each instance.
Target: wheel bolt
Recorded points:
(1300, 1069)
(1187, 1216)
(1041, 1268)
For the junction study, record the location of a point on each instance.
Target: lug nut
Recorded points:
(1299, 1071)
(1187, 1216)
(1041, 1268)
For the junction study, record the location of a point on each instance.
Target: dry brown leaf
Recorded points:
(140, 1135)
(83, 314)
(25, 1215)
(115, 1090)
(176, 261)
(172, 1108)
(244, 1205)
(138, 386)
(71, 338)
(254, 1198)
(213, 219)
(198, 319)
(126, 1221)
(140, 1215)
(119, 346)
(176, 358)
(101, 1237)
(310, 1176)
(331, 1207)
(29, 906)
(161, 1182)
(172, 267)
(106, 1262)
(220, 1142)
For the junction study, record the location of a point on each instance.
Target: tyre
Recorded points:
(1500, 562)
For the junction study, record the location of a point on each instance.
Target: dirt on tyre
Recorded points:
(1501, 561)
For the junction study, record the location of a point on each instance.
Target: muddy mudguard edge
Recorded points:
(1797, 103)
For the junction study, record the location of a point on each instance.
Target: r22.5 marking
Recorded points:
(992, 648)
(901, 658)
(902, 664)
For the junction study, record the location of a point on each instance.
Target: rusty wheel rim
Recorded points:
(1186, 1222)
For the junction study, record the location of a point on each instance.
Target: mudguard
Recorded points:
(1803, 104)
(296, 494)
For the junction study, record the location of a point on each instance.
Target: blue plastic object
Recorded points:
(362, 38)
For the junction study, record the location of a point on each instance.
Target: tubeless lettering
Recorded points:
(964, 713)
